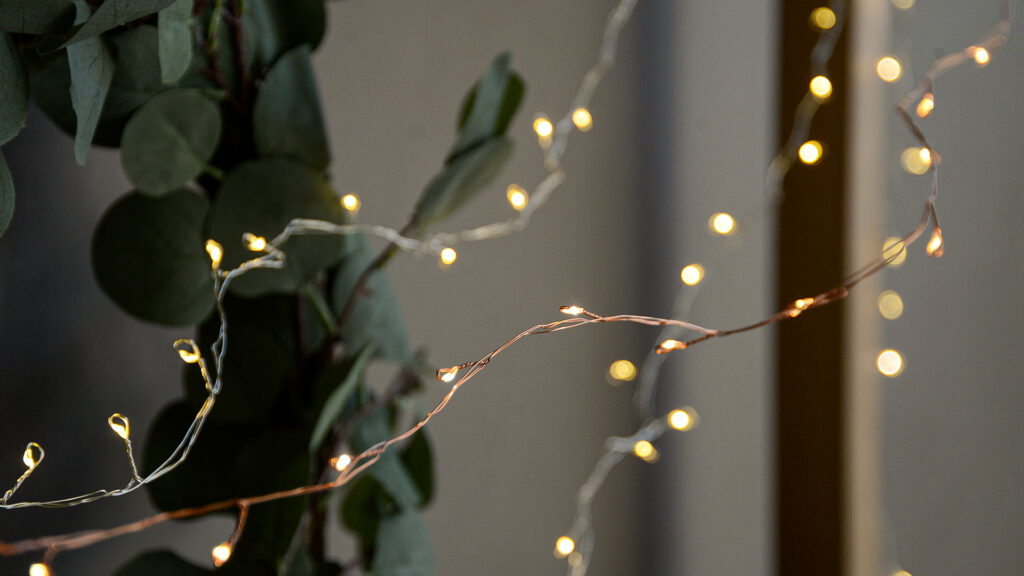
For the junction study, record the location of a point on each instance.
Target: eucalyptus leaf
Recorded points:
(114, 13)
(6, 195)
(403, 547)
(388, 470)
(377, 316)
(160, 563)
(335, 404)
(280, 25)
(175, 40)
(14, 96)
(262, 197)
(148, 256)
(286, 116)
(170, 139)
(36, 16)
(489, 107)
(419, 462)
(362, 508)
(92, 71)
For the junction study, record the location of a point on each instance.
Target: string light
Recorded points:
(821, 87)
(564, 546)
(981, 56)
(544, 129)
(351, 202)
(119, 424)
(890, 363)
(914, 161)
(448, 256)
(890, 305)
(810, 152)
(39, 569)
(799, 306)
(572, 310)
(216, 252)
(518, 198)
(692, 274)
(889, 69)
(339, 463)
(934, 248)
(823, 18)
(670, 345)
(622, 371)
(447, 374)
(894, 251)
(582, 119)
(221, 553)
(722, 223)
(926, 105)
(645, 451)
(187, 350)
(254, 243)
(29, 457)
(682, 419)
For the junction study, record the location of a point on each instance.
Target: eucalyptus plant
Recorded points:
(214, 106)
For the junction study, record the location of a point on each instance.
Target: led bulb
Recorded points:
(890, 305)
(823, 18)
(543, 127)
(926, 105)
(39, 569)
(119, 424)
(692, 274)
(645, 451)
(339, 463)
(517, 197)
(821, 87)
(447, 374)
(894, 251)
(187, 350)
(221, 552)
(254, 242)
(889, 69)
(890, 363)
(564, 546)
(582, 119)
(934, 247)
(799, 306)
(722, 223)
(670, 345)
(810, 152)
(30, 458)
(682, 419)
(351, 202)
(448, 256)
(573, 310)
(981, 56)
(622, 370)
(216, 252)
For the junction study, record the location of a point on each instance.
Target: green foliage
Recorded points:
(286, 119)
(175, 40)
(6, 196)
(160, 563)
(403, 546)
(92, 71)
(280, 25)
(14, 96)
(169, 141)
(36, 16)
(113, 13)
(348, 375)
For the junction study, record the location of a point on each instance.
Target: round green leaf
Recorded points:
(280, 25)
(36, 16)
(169, 140)
(262, 197)
(286, 116)
(14, 96)
(148, 256)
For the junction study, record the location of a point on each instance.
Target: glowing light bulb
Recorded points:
(903, 4)
(692, 274)
(823, 18)
(39, 569)
(622, 370)
(351, 202)
(339, 463)
(564, 546)
(889, 69)
(810, 152)
(934, 248)
(543, 127)
(799, 306)
(916, 160)
(447, 374)
(901, 573)
(187, 350)
(448, 256)
(670, 345)
(254, 242)
(821, 87)
(926, 105)
(517, 197)
(571, 310)
(221, 553)
(894, 251)
(216, 252)
(582, 119)
(981, 56)
(645, 451)
(890, 363)
(119, 424)
(722, 223)
(29, 457)
(890, 305)
(682, 419)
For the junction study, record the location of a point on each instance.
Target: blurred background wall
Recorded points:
(683, 127)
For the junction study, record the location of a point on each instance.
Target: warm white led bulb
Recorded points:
(564, 546)
(622, 370)
(254, 242)
(692, 274)
(39, 569)
(447, 374)
(187, 350)
(821, 87)
(448, 256)
(517, 197)
(682, 419)
(119, 424)
(981, 56)
(889, 69)
(582, 119)
(810, 152)
(571, 310)
(722, 223)
(339, 463)
(543, 127)
(221, 553)
(351, 202)
(216, 252)
(890, 363)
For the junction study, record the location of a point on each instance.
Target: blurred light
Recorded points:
(543, 127)
(216, 252)
(517, 196)
(570, 310)
(351, 202)
(221, 553)
(187, 350)
(645, 451)
(903, 4)
(890, 305)
(901, 573)
(682, 419)
(39, 569)
(447, 374)
(893, 248)
(890, 363)
(339, 463)
(622, 370)
(119, 424)
(821, 87)
(692, 274)
(810, 152)
(575, 559)
(254, 242)
(823, 18)
(564, 546)
(29, 457)
(582, 119)
(934, 248)
(926, 105)
(722, 223)
(448, 256)
(981, 56)
(670, 345)
(799, 306)
(916, 160)
(889, 69)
